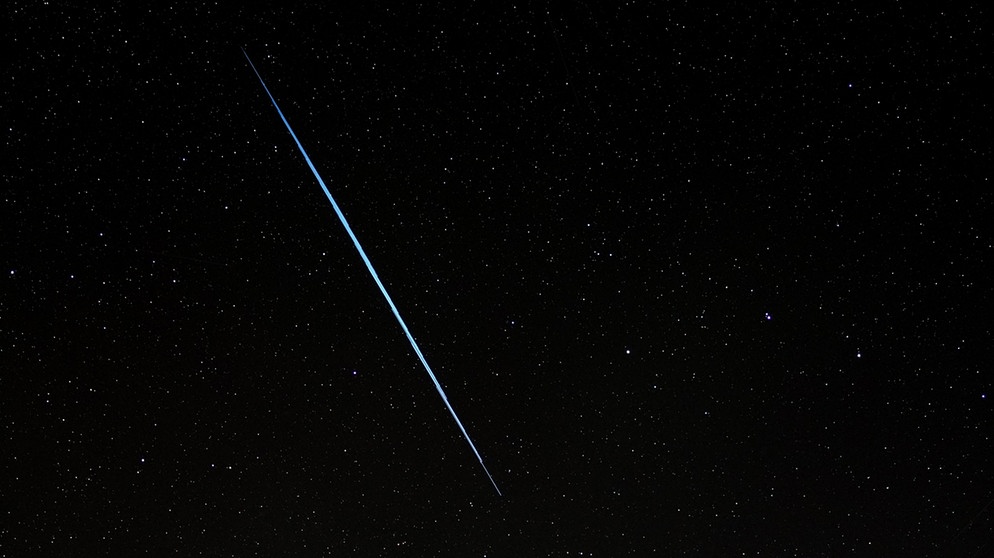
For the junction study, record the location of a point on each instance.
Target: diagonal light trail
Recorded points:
(369, 266)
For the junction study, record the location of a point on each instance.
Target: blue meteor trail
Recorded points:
(369, 266)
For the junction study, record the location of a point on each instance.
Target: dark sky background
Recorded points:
(699, 281)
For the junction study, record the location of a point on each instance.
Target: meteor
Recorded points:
(369, 266)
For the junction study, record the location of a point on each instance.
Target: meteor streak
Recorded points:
(369, 266)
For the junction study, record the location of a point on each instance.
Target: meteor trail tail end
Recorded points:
(369, 266)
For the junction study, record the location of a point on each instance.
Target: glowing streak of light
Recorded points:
(369, 266)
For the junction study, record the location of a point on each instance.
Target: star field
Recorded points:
(699, 281)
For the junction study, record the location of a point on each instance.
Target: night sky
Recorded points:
(698, 281)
